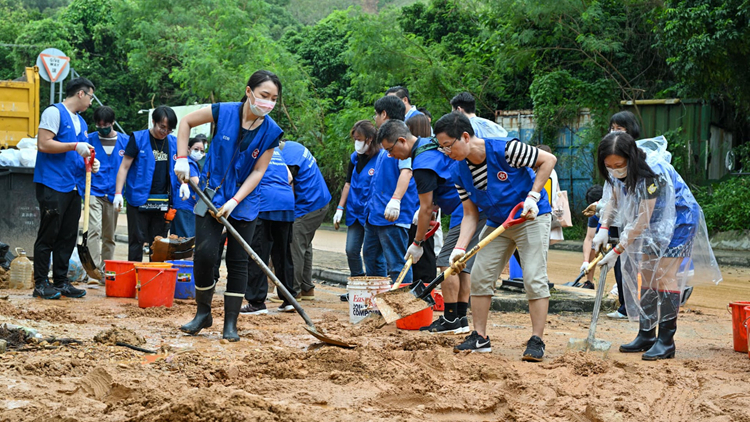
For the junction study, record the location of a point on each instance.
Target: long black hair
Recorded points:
(623, 145)
(259, 77)
(627, 120)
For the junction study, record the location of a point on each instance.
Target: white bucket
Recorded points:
(362, 291)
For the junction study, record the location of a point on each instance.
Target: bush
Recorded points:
(726, 205)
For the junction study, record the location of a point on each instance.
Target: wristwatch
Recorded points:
(418, 242)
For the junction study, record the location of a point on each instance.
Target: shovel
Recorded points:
(400, 303)
(83, 249)
(591, 344)
(310, 327)
(576, 282)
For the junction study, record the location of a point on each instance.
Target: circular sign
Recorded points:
(53, 65)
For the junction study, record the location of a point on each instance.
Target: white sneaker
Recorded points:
(614, 291)
(616, 315)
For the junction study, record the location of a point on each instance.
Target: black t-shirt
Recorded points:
(160, 148)
(362, 160)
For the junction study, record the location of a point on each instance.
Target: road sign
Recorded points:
(53, 65)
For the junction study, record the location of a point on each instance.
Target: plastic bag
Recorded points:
(9, 158)
(27, 157)
(75, 268)
(27, 143)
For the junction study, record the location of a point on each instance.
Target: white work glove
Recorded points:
(227, 208)
(415, 219)
(337, 217)
(609, 259)
(584, 266)
(392, 210)
(117, 202)
(83, 149)
(182, 169)
(95, 166)
(530, 209)
(415, 252)
(456, 255)
(600, 239)
(184, 191)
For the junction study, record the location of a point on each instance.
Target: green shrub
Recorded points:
(726, 205)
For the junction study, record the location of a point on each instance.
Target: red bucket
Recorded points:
(747, 328)
(156, 286)
(120, 278)
(739, 315)
(416, 321)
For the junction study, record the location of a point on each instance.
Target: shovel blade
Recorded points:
(402, 302)
(325, 339)
(596, 346)
(88, 263)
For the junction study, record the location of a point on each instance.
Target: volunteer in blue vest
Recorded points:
(393, 200)
(146, 174)
(403, 94)
(356, 193)
(273, 237)
(184, 200)
(311, 198)
(661, 224)
(110, 148)
(240, 150)
(62, 147)
(431, 172)
(496, 174)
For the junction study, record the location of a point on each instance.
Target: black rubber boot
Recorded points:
(232, 305)
(647, 332)
(664, 347)
(203, 318)
(45, 291)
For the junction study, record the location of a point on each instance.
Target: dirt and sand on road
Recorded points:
(278, 372)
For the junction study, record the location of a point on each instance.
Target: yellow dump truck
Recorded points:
(19, 108)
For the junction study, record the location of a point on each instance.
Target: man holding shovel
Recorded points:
(495, 174)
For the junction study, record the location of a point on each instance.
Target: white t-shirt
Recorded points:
(51, 120)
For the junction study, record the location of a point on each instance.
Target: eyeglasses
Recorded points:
(164, 129)
(91, 95)
(390, 150)
(447, 149)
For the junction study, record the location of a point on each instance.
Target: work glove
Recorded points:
(184, 191)
(456, 255)
(337, 217)
(415, 219)
(584, 266)
(393, 209)
(182, 169)
(95, 166)
(600, 238)
(530, 209)
(609, 259)
(83, 149)
(226, 209)
(117, 202)
(415, 252)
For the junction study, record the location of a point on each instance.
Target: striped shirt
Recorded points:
(517, 154)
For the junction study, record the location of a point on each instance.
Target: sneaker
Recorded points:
(68, 290)
(443, 326)
(257, 309)
(344, 297)
(474, 343)
(534, 350)
(464, 325)
(616, 315)
(286, 307)
(308, 294)
(614, 291)
(45, 291)
(588, 285)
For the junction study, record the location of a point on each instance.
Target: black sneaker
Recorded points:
(588, 285)
(45, 291)
(443, 326)
(286, 307)
(474, 343)
(534, 350)
(68, 290)
(464, 325)
(254, 309)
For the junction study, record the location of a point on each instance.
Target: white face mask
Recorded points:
(360, 147)
(618, 173)
(261, 107)
(196, 155)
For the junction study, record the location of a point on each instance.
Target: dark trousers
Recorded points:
(143, 227)
(219, 253)
(271, 239)
(58, 231)
(620, 291)
(207, 240)
(426, 269)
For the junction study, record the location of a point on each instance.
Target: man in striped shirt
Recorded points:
(495, 174)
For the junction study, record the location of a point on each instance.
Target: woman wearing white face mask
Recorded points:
(356, 193)
(183, 200)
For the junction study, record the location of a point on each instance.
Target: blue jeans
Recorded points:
(389, 242)
(183, 224)
(355, 235)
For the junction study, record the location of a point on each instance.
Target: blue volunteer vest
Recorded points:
(310, 190)
(411, 113)
(359, 191)
(383, 184)
(61, 171)
(274, 190)
(506, 185)
(103, 182)
(177, 202)
(426, 156)
(687, 210)
(141, 173)
(224, 146)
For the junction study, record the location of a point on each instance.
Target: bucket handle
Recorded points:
(125, 272)
(744, 323)
(152, 279)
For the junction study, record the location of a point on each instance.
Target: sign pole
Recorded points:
(51, 93)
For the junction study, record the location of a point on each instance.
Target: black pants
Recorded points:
(207, 240)
(58, 231)
(426, 269)
(219, 253)
(143, 227)
(271, 239)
